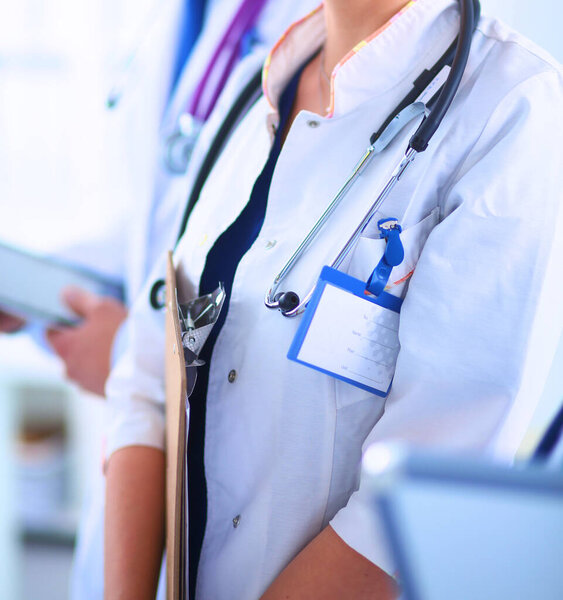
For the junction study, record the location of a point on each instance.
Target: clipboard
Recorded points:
(176, 440)
(187, 327)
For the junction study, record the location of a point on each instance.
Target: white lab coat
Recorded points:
(129, 252)
(481, 213)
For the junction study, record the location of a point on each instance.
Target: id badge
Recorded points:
(349, 334)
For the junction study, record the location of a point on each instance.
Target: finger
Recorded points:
(59, 340)
(81, 301)
(10, 323)
(53, 336)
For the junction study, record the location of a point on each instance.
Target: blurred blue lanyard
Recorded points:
(192, 23)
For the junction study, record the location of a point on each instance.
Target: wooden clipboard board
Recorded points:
(176, 398)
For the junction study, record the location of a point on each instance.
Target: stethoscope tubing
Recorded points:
(304, 245)
(245, 100)
(223, 59)
(469, 17)
(351, 242)
(201, 103)
(247, 97)
(387, 136)
(470, 10)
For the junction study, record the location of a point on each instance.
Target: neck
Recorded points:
(348, 22)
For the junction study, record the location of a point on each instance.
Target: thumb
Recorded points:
(10, 323)
(81, 301)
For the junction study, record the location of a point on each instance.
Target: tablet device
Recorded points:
(466, 529)
(31, 285)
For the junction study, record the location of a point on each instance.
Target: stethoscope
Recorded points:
(433, 102)
(179, 145)
(245, 100)
(431, 96)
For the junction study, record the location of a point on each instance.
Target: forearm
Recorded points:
(327, 568)
(134, 529)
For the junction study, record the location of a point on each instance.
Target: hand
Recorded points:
(86, 348)
(10, 323)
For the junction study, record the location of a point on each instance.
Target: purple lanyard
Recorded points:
(223, 60)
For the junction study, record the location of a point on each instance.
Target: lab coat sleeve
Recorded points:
(135, 389)
(103, 252)
(483, 314)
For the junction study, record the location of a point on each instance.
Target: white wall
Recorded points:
(64, 177)
(540, 20)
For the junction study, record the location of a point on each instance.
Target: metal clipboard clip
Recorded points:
(197, 318)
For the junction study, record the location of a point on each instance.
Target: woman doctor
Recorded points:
(274, 447)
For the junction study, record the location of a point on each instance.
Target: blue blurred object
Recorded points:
(194, 12)
(468, 529)
(549, 448)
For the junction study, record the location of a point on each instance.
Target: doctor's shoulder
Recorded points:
(505, 63)
(509, 122)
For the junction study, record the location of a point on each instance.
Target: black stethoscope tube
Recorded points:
(456, 55)
(470, 12)
(456, 58)
(426, 77)
(244, 101)
(246, 98)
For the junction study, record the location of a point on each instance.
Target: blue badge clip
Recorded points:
(389, 230)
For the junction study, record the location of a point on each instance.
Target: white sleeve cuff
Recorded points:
(142, 425)
(135, 389)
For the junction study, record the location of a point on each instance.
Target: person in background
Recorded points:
(275, 503)
(89, 349)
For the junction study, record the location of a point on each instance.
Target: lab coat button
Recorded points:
(232, 376)
(313, 124)
(270, 244)
(236, 521)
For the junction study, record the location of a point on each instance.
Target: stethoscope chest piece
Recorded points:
(157, 294)
(430, 98)
(180, 143)
(286, 302)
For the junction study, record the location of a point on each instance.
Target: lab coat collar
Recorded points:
(407, 44)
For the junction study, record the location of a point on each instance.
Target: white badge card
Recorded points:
(348, 334)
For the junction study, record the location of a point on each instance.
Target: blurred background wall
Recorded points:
(70, 170)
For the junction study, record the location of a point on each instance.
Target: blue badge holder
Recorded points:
(356, 287)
